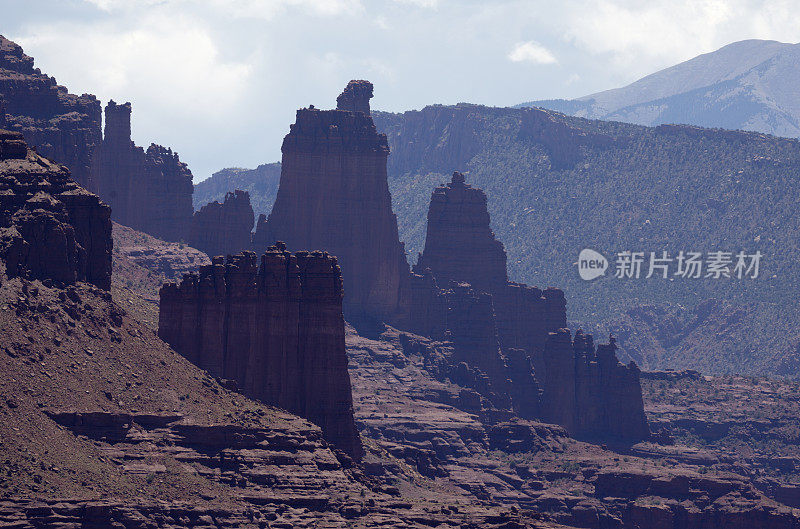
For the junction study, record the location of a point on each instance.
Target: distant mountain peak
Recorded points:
(750, 84)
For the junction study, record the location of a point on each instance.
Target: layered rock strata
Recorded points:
(583, 388)
(62, 126)
(276, 330)
(148, 190)
(223, 229)
(151, 190)
(334, 196)
(50, 227)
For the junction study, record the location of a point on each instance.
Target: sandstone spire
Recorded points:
(334, 196)
(584, 388)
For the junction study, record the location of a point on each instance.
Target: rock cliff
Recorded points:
(334, 196)
(223, 229)
(62, 126)
(584, 389)
(276, 330)
(50, 228)
(149, 191)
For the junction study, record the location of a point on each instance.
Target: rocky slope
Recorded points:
(438, 428)
(142, 264)
(103, 425)
(749, 85)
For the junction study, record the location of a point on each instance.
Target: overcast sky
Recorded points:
(219, 80)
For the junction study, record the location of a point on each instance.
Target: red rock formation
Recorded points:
(334, 196)
(50, 228)
(586, 391)
(62, 126)
(223, 229)
(148, 191)
(276, 330)
(459, 244)
(355, 97)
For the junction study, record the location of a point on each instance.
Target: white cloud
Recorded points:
(533, 52)
(263, 9)
(641, 37)
(170, 62)
(420, 3)
(269, 9)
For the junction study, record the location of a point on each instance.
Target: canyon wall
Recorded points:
(50, 227)
(223, 229)
(276, 330)
(334, 196)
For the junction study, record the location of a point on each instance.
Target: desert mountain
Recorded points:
(749, 85)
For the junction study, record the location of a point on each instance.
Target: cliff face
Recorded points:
(63, 126)
(459, 244)
(583, 389)
(50, 228)
(334, 196)
(223, 229)
(148, 191)
(276, 330)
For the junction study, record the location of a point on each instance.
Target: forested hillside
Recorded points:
(558, 184)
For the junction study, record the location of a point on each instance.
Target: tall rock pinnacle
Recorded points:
(334, 196)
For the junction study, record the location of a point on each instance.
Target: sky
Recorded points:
(219, 80)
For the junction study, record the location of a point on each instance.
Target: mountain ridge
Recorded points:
(748, 85)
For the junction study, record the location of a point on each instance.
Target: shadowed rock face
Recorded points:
(355, 97)
(334, 196)
(62, 126)
(276, 330)
(223, 229)
(149, 191)
(459, 244)
(583, 388)
(50, 228)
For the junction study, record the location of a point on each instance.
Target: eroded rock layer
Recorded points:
(583, 388)
(149, 191)
(223, 229)
(334, 196)
(50, 228)
(62, 126)
(276, 330)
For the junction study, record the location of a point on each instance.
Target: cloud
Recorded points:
(262, 9)
(533, 52)
(172, 62)
(420, 3)
(641, 37)
(269, 9)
